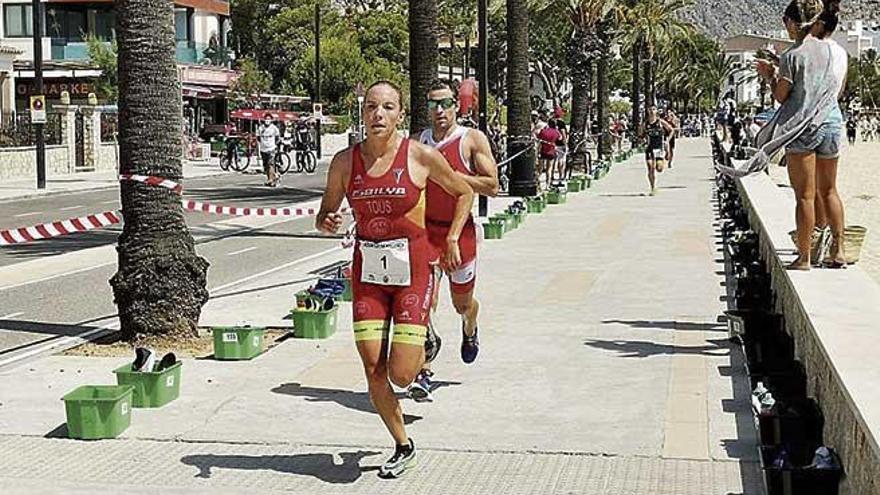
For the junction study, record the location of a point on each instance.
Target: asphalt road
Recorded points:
(232, 190)
(70, 303)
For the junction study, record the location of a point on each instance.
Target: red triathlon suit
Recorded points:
(441, 212)
(391, 274)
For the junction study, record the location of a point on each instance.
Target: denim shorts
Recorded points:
(824, 140)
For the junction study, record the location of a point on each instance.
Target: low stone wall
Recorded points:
(21, 163)
(834, 319)
(106, 159)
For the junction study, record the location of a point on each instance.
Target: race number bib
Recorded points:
(386, 262)
(659, 154)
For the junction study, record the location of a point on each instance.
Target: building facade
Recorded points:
(744, 83)
(201, 30)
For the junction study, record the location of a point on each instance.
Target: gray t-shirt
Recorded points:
(808, 66)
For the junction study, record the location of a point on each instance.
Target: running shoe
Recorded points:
(144, 360)
(470, 345)
(404, 458)
(420, 389)
(432, 344)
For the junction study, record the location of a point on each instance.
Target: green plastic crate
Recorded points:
(519, 218)
(314, 324)
(556, 197)
(98, 411)
(512, 220)
(493, 231)
(574, 185)
(501, 220)
(238, 343)
(153, 388)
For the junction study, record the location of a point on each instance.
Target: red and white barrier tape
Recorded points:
(56, 229)
(201, 207)
(100, 220)
(154, 181)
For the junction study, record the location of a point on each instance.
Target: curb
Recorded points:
(115, 185)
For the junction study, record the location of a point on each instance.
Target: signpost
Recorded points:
(38, 109)
(36, 7)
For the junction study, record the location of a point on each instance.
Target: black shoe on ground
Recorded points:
(403, 460)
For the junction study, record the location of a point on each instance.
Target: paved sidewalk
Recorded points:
(84, 181)
(603, 371)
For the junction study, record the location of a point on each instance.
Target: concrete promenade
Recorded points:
(604, 370)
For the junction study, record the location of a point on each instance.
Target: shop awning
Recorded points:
(202, 92)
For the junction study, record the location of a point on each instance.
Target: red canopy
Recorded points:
(260, 113)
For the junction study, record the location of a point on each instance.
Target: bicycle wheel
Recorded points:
(298, 161)
(310, 162)
(282, 162)
(241, 161)
(224, 161)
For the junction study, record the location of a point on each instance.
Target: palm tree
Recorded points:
(586, 45)
(650, 23)
(159, 287)
(717, 70)
(423, 55)
(518, 114)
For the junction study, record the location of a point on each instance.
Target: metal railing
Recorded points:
(16, 129)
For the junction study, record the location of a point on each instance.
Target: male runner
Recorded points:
(384, 179)
(656, 130)
(469, 153)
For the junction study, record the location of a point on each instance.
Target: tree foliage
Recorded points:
(361, 41)
(104, 56)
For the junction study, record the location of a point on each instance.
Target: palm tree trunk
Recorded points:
(602, 102)
(519, 114)
(422, 58)
(160, 285)
(636, 85)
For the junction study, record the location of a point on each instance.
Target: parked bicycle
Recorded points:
(238, 153)
(304, 146)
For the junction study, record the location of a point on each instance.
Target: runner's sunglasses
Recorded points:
(445, 104)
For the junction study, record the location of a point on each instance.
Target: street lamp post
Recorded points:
(38, 83)
(483, 70)
(317, 99)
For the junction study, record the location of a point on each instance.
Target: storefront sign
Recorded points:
(207, 76)
(78, 88)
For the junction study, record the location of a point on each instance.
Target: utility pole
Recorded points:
(38, 82)
(317, 99)
(483, 77)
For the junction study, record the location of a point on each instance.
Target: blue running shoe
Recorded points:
(470, 345)
(420, 389)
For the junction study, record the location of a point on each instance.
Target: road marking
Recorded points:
(70, 207)
(240, 251)
(236, 231)
(30, 214)
(11, 315)
(58, 343)
(112, 201)
(277, 268)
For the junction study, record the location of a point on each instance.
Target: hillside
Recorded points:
(723, 18)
